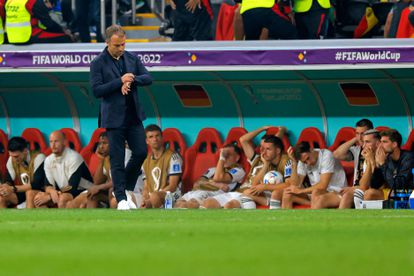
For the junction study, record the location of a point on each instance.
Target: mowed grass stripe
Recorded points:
(204, 242)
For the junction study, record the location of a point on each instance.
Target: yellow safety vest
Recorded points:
(305, 5)
(252, 4)
(1, 31)
(18, 26)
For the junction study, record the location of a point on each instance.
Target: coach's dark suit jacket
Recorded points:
(106, 84)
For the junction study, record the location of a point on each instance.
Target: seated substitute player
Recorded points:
(369, 185)
(162, 170)
(351, 150)
(271, 151)
(99, 192)
(326, 176)
(396, 164)
(272, 159)
(67, 176)
(225, 177)
(253, 158)
(25, 174)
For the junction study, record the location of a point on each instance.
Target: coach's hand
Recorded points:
(128, 77)
(126, 87)
(191, 5)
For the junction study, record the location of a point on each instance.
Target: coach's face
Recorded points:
(116, 45)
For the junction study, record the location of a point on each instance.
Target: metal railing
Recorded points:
(153, 6)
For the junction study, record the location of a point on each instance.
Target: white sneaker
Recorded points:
(131, 203)
(123, 205)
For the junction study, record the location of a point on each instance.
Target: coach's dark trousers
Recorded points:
(125, 177)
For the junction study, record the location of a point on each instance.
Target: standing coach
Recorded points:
(115, 75)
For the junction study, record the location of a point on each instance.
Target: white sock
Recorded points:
(358, 198)
(274, 204)
(247, 203)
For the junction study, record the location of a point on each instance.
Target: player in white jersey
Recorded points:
(225, 177)
(325, 174)
(67, 176)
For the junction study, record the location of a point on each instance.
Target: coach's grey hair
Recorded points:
(112, 30)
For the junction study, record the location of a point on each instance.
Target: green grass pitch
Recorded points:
(207, 242)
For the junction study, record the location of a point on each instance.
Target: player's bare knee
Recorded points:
(156, 200)
(180, 204)
(348, 195)
(211, 203)
(61, 203)
(193, 204)
(92, 203)
(346, 201)
(316, 203)
(63, 200)
(232, 204)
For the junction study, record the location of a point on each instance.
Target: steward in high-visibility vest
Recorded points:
(28, 21)
(306, 5)
(2, 17)
(312, 18)
(259, 14)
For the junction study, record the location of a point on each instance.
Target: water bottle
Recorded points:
(168, 204)
(401, 200)
(402, 195)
